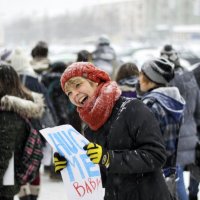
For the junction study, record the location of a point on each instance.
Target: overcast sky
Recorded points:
(10, 9)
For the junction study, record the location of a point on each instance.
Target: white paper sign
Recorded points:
(47, 155)
(81, 177)
(8, 178)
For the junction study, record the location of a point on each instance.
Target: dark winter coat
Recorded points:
(137, 154)
(188, 88)
(13, 134)
(49, 118)
(196, 72)
(65, 111)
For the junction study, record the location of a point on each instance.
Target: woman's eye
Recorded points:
(77, 85)
(68, 93)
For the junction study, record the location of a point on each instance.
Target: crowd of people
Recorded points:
(154, 113)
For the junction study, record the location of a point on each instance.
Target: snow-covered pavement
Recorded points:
(50, 189)
(54, 190)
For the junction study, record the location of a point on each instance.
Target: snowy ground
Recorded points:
(51, 190)
(54, 190)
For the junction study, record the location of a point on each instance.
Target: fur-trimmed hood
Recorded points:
(26, 108)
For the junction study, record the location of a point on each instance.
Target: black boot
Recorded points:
(25, 198)
(192, 197)
(33, 197)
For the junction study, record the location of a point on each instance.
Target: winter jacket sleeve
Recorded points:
(197, 113)
(149, 153)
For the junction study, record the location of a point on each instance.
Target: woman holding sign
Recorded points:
(125, 138)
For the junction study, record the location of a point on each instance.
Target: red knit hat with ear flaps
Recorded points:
(86, 70)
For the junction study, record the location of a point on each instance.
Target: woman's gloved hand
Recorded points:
(97, 154)
(60, 162)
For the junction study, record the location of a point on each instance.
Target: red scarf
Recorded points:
(96, 111)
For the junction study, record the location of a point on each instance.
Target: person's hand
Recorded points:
(97, 154)
(60, 162)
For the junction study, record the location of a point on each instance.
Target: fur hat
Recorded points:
(158, 70)
(86, 70)
(20, 61)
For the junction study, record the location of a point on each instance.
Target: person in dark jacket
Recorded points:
(21, 63)
(196, 72)
(127, 78)
(188, 133)
(84, 56)
(104, 56)
(185, 81)
(39, 53)
(168, 106)
(67, 114)
(16, 104)
(125, 138)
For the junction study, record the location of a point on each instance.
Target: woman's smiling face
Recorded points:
(80, 90)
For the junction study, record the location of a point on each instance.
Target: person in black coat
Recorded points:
(66, 114)
(188, 137)
(16, 104)
(29, 78)
(125, 139)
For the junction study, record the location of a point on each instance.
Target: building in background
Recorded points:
(151, 20)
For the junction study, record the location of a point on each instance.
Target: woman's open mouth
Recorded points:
(83, 100)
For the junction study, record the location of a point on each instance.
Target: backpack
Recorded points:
(32, 156)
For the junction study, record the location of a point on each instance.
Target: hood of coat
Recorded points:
(170, 98)
(128, 84)
(26, 108)
(20, 61)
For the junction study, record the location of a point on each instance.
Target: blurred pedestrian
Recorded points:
(21, 63)
(196, 72)
(16, 104)
(169, 53)
(104, 55)
(84, 56)
(167, 105)
(129, 149)
(127, 78)
(66, 114)
(187, 85)
(40, 60)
